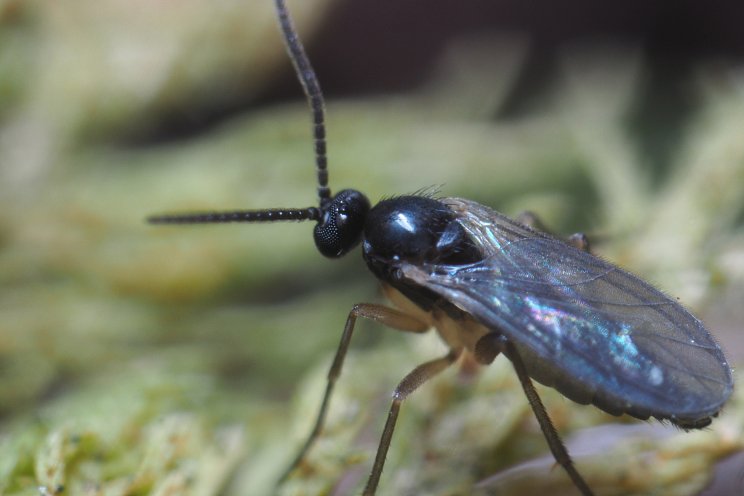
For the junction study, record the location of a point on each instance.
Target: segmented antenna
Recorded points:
(306, 75)
(268, 215)
(314, 95)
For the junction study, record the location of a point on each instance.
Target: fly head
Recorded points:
(341, 222)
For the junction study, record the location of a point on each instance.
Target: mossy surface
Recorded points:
(190, 360)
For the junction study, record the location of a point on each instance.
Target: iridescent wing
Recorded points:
(582, 325)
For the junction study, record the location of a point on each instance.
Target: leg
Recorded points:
(580, 241)
(409, 384)
(487, 348)
(379, 313)
(530, 219)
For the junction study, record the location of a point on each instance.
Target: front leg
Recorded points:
(388, 316)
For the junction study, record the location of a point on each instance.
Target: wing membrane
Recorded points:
(592, 330)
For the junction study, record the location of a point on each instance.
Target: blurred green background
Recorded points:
(190, 360)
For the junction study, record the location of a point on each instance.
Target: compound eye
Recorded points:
(341, 225)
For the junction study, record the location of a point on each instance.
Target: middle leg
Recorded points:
(408, 385)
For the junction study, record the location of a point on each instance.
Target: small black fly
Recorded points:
(491, 285)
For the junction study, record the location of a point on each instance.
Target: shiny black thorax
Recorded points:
(418, 230)
(414, 229)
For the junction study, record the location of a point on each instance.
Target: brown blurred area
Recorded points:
(390, 44)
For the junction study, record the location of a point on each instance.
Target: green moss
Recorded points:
(156, 360)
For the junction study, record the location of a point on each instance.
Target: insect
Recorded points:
(490, 285)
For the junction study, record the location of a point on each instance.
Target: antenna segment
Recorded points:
(268, 215)
(306, 75)
(314, 95)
